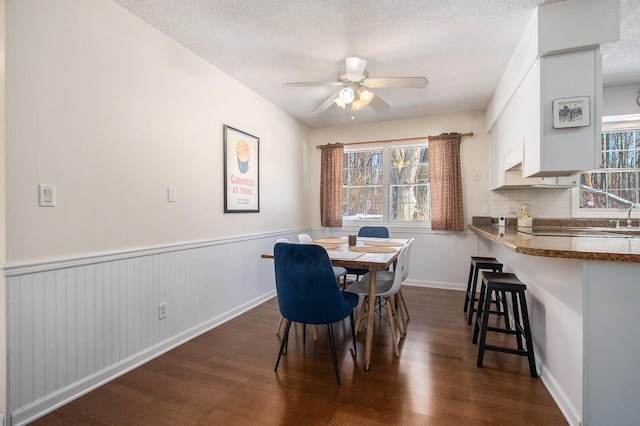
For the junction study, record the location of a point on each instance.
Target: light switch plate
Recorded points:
(47, 195)
(171, 194)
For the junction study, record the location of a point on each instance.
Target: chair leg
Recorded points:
(283, 345)
(392, 324)
(396, 317)
(402, 326)
(279, 324)
(353, 334)
(315, 333)
(363, 307)
(404, 312)
(333, 353)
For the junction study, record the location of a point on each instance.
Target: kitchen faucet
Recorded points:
(629, 214)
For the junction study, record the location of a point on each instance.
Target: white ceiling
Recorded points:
(461, 46)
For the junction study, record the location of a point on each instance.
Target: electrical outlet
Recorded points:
(162, 310)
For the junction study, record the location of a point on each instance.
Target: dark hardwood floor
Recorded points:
(225, 377)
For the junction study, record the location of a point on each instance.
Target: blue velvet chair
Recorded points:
(338, 271)
(308, 292)
(374, 231)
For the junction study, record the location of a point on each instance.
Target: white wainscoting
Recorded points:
(75, 324)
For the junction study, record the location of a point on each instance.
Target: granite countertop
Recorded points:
(613, 248)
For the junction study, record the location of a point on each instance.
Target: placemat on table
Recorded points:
(330, 241)
(372, 249)
(383, 243)
(329, 246)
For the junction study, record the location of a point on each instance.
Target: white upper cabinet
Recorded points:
(557, 59)
(560, 149)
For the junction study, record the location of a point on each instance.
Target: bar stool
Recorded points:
(478, 263)
(501, 284)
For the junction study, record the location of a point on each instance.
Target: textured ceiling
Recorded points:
(461, 46)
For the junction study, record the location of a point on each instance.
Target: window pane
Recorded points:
(363, 178)
(409, 178)
(615, 186)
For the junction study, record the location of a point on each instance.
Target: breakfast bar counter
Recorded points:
(562, 243)
(583, 287)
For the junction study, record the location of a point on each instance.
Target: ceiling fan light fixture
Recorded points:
(365, 95)
(348, 94)
(357, 105)
(339, 102)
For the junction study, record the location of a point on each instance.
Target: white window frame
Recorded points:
(386, 185)
(609, 124)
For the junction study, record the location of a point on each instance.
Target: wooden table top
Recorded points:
(366, 254)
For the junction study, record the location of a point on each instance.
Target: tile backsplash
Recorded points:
(544, 202)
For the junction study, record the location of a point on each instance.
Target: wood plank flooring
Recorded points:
(226, 377)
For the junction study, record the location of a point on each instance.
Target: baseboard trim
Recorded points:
(435, 284)
(569, 412)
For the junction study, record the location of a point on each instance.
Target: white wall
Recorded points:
(621, 100)
(112, 112)
(3, 206)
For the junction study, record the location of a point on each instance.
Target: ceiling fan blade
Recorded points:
(379, 105)
(354, 68)
(326, 104)
(317, 83)
(399, 82)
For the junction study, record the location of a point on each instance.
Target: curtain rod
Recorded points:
(394, 140)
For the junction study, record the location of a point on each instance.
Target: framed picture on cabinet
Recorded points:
(571, 112)
(241, 171)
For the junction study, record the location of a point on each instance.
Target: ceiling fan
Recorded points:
(355, 82)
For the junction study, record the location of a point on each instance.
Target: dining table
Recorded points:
(372, 254)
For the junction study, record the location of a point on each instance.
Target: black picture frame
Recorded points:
(241, 157)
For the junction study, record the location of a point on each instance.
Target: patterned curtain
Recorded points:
(331, 167)
(446, 182)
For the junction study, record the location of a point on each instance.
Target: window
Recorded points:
(615, 185)
(362, 185)
(387, 184)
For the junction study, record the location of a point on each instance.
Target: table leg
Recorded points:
(368, 343)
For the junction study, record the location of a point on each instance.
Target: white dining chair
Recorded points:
(387, 286)
(400, 303)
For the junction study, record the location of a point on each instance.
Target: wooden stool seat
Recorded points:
(502, 284)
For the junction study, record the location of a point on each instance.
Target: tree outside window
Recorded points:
(616, 184)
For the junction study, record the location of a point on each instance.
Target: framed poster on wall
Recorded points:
(241, 171)
(571, 112)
